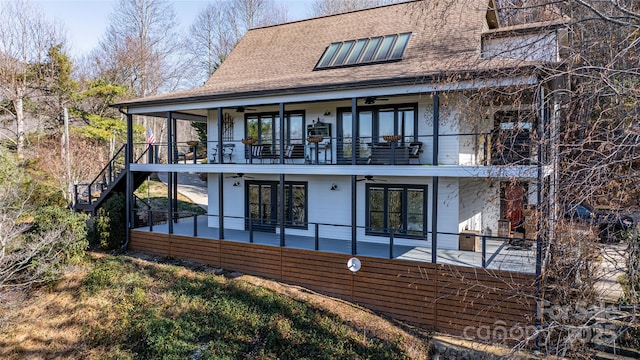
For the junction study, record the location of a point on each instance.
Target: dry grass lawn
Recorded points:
(68, 321)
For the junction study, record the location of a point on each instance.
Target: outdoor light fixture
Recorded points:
(370, 100)
(334, 187)
(354, 265)
(327, 113)
(236, 184)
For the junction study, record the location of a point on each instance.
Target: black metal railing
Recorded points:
(87, 193)
(484, 251)
(465, 149)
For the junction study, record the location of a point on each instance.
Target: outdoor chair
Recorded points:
(288, 152)
(293, 151)
(415, 149)
(212, 155)
(227, 150)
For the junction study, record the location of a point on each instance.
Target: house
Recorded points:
(415, 141)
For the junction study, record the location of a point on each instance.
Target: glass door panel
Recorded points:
(261, 206)
(365, 135)
(298, 205)
(415, 212)
(266, 130)
(407, 125)
(252, 128)
(295, 130)
(386, 124)
(345, 134)
(394, 214)
(376, 209)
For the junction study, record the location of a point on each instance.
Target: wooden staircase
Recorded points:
(110, 180)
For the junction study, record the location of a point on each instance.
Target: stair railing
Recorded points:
(84, 193)
(139, 217)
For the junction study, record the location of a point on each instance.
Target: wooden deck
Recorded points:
(499, 255)
(458, 300)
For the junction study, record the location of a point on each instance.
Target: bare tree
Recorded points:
(221, 24)
(211, 38)
(25, 38)
(330, 7)
(140, 48)
(32, 252)
(247, 14)
(595, 151)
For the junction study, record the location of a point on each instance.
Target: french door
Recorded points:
(361, 143)
(373, 124)
(263, 204)
(262, 210)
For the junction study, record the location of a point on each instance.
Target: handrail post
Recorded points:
(317, 236)
(195, 225)
(150, 217)
(484, 251)
(486, 149)
(391, 244)
(195, 151)
(250, 227)
(75, 194)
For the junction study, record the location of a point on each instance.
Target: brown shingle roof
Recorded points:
(446, 38)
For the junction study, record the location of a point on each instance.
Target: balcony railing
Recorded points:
(494, 252)
(470, 149)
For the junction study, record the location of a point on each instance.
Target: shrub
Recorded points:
(46, 195)
(110, 223)
(71, 226)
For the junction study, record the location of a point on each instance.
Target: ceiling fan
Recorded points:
(241, 109)
(239, 175)
(370, 100)
(369, 178)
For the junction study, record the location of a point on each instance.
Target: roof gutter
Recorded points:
(415, 80)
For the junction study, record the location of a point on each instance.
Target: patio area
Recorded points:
(499, 254)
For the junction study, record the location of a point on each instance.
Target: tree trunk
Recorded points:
(18, 104)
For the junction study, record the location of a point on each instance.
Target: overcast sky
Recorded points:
(86, 20)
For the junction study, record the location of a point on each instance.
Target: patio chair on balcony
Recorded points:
(415, 149)
(227, 150)
(262, 152)
(293, 151)
(212, 155)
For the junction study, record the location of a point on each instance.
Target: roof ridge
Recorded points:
(337, 14)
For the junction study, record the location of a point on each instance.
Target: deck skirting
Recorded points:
(476, 303)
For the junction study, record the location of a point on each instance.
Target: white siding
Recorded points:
(531, 47)
(473, 197)
(448, 203)
(491, 209)
(448, 151)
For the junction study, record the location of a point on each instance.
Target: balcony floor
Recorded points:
(500, 256)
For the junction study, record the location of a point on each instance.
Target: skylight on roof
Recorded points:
(364, 51)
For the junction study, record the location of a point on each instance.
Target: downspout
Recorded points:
(541, 124)
(129, 184)
(220, 176)
(354, 186)
(174, 129)
(435, 179)
(282, 183)
(170, 148)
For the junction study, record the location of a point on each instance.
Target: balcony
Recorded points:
(471, 149)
